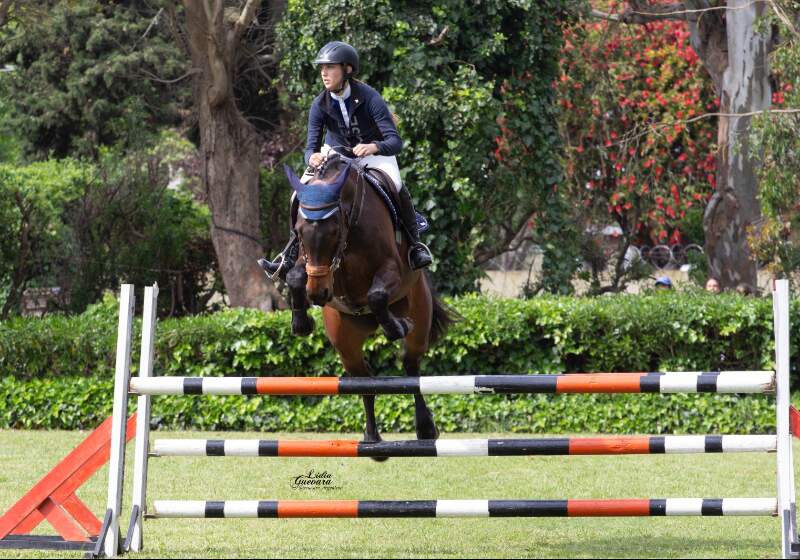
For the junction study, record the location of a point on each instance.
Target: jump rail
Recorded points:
(631, 445)
(652, 382)
(465, 508)
(644, 382)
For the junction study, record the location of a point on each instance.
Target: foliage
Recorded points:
(776, 137)
(274, 204)
(635, 155)
(476, 109)
(70, 403)
(83, 77)
(138, 222)
(33, 233)
(45, 359)
(9, 141)
(86, 228)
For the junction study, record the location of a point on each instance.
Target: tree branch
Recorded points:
(210, 11)
(784, 18)
(5, 7)
(604, 15)
(174, 29)
(216, 53)
(155, 78)
(511, 239)
(439, 38)
(244, 20)
(641, 12)
(643, 129)
(152, 22)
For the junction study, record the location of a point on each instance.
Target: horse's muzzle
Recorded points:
(319, 287)
(320, 298)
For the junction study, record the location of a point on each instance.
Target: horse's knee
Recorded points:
(378, 299)
(296, 278)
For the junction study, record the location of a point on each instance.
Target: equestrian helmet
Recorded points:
(337, 52)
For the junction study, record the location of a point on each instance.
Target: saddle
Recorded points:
(384, 187)
(380, 182)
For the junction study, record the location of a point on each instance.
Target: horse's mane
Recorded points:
(329, 170)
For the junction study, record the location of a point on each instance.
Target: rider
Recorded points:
(354, 115)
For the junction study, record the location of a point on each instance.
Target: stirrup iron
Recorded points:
(418, 244)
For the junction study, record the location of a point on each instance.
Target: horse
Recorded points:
(351, 264)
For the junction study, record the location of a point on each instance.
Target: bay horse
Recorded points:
(351, 264)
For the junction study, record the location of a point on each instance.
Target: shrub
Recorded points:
(57, 372)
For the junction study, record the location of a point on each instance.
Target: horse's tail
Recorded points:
(443, 316)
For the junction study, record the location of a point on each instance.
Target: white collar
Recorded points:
(344, 95)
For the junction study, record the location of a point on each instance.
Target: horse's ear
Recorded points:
(338, 183)
(294, 180)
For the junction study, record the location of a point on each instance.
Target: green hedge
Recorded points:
(57, 372)
(81, 402)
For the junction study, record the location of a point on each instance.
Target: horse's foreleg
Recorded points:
(348, 335)
(354, 363)
(416, 344)
(371, 428)
(384, 284)
(302, 324)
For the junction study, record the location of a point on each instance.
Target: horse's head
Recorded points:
(321, 227)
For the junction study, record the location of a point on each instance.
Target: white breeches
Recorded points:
(387, 164)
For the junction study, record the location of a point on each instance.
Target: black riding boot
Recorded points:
(285, 260)
(419, 256)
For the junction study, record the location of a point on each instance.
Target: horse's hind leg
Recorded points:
(348, 335)
(426, 426)
(416, 344)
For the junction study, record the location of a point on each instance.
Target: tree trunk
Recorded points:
(736, 57)
(231, 158)
(734, 207)
(230, 149)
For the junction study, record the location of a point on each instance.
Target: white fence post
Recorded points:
(786, 491)
(116, 465)
(149, 318)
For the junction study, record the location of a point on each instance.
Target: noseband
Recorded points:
(318, 271)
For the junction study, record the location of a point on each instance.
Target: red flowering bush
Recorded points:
(636, 153)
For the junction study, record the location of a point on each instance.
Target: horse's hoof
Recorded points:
(376, 439)
(399, 330)
(428, 434)
(302, 327)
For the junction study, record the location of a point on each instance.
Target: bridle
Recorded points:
(347, 221)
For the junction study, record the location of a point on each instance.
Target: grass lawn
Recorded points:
(26, 455)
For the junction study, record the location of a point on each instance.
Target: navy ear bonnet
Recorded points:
(318, 200)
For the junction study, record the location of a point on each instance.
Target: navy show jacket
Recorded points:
(370, 122)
